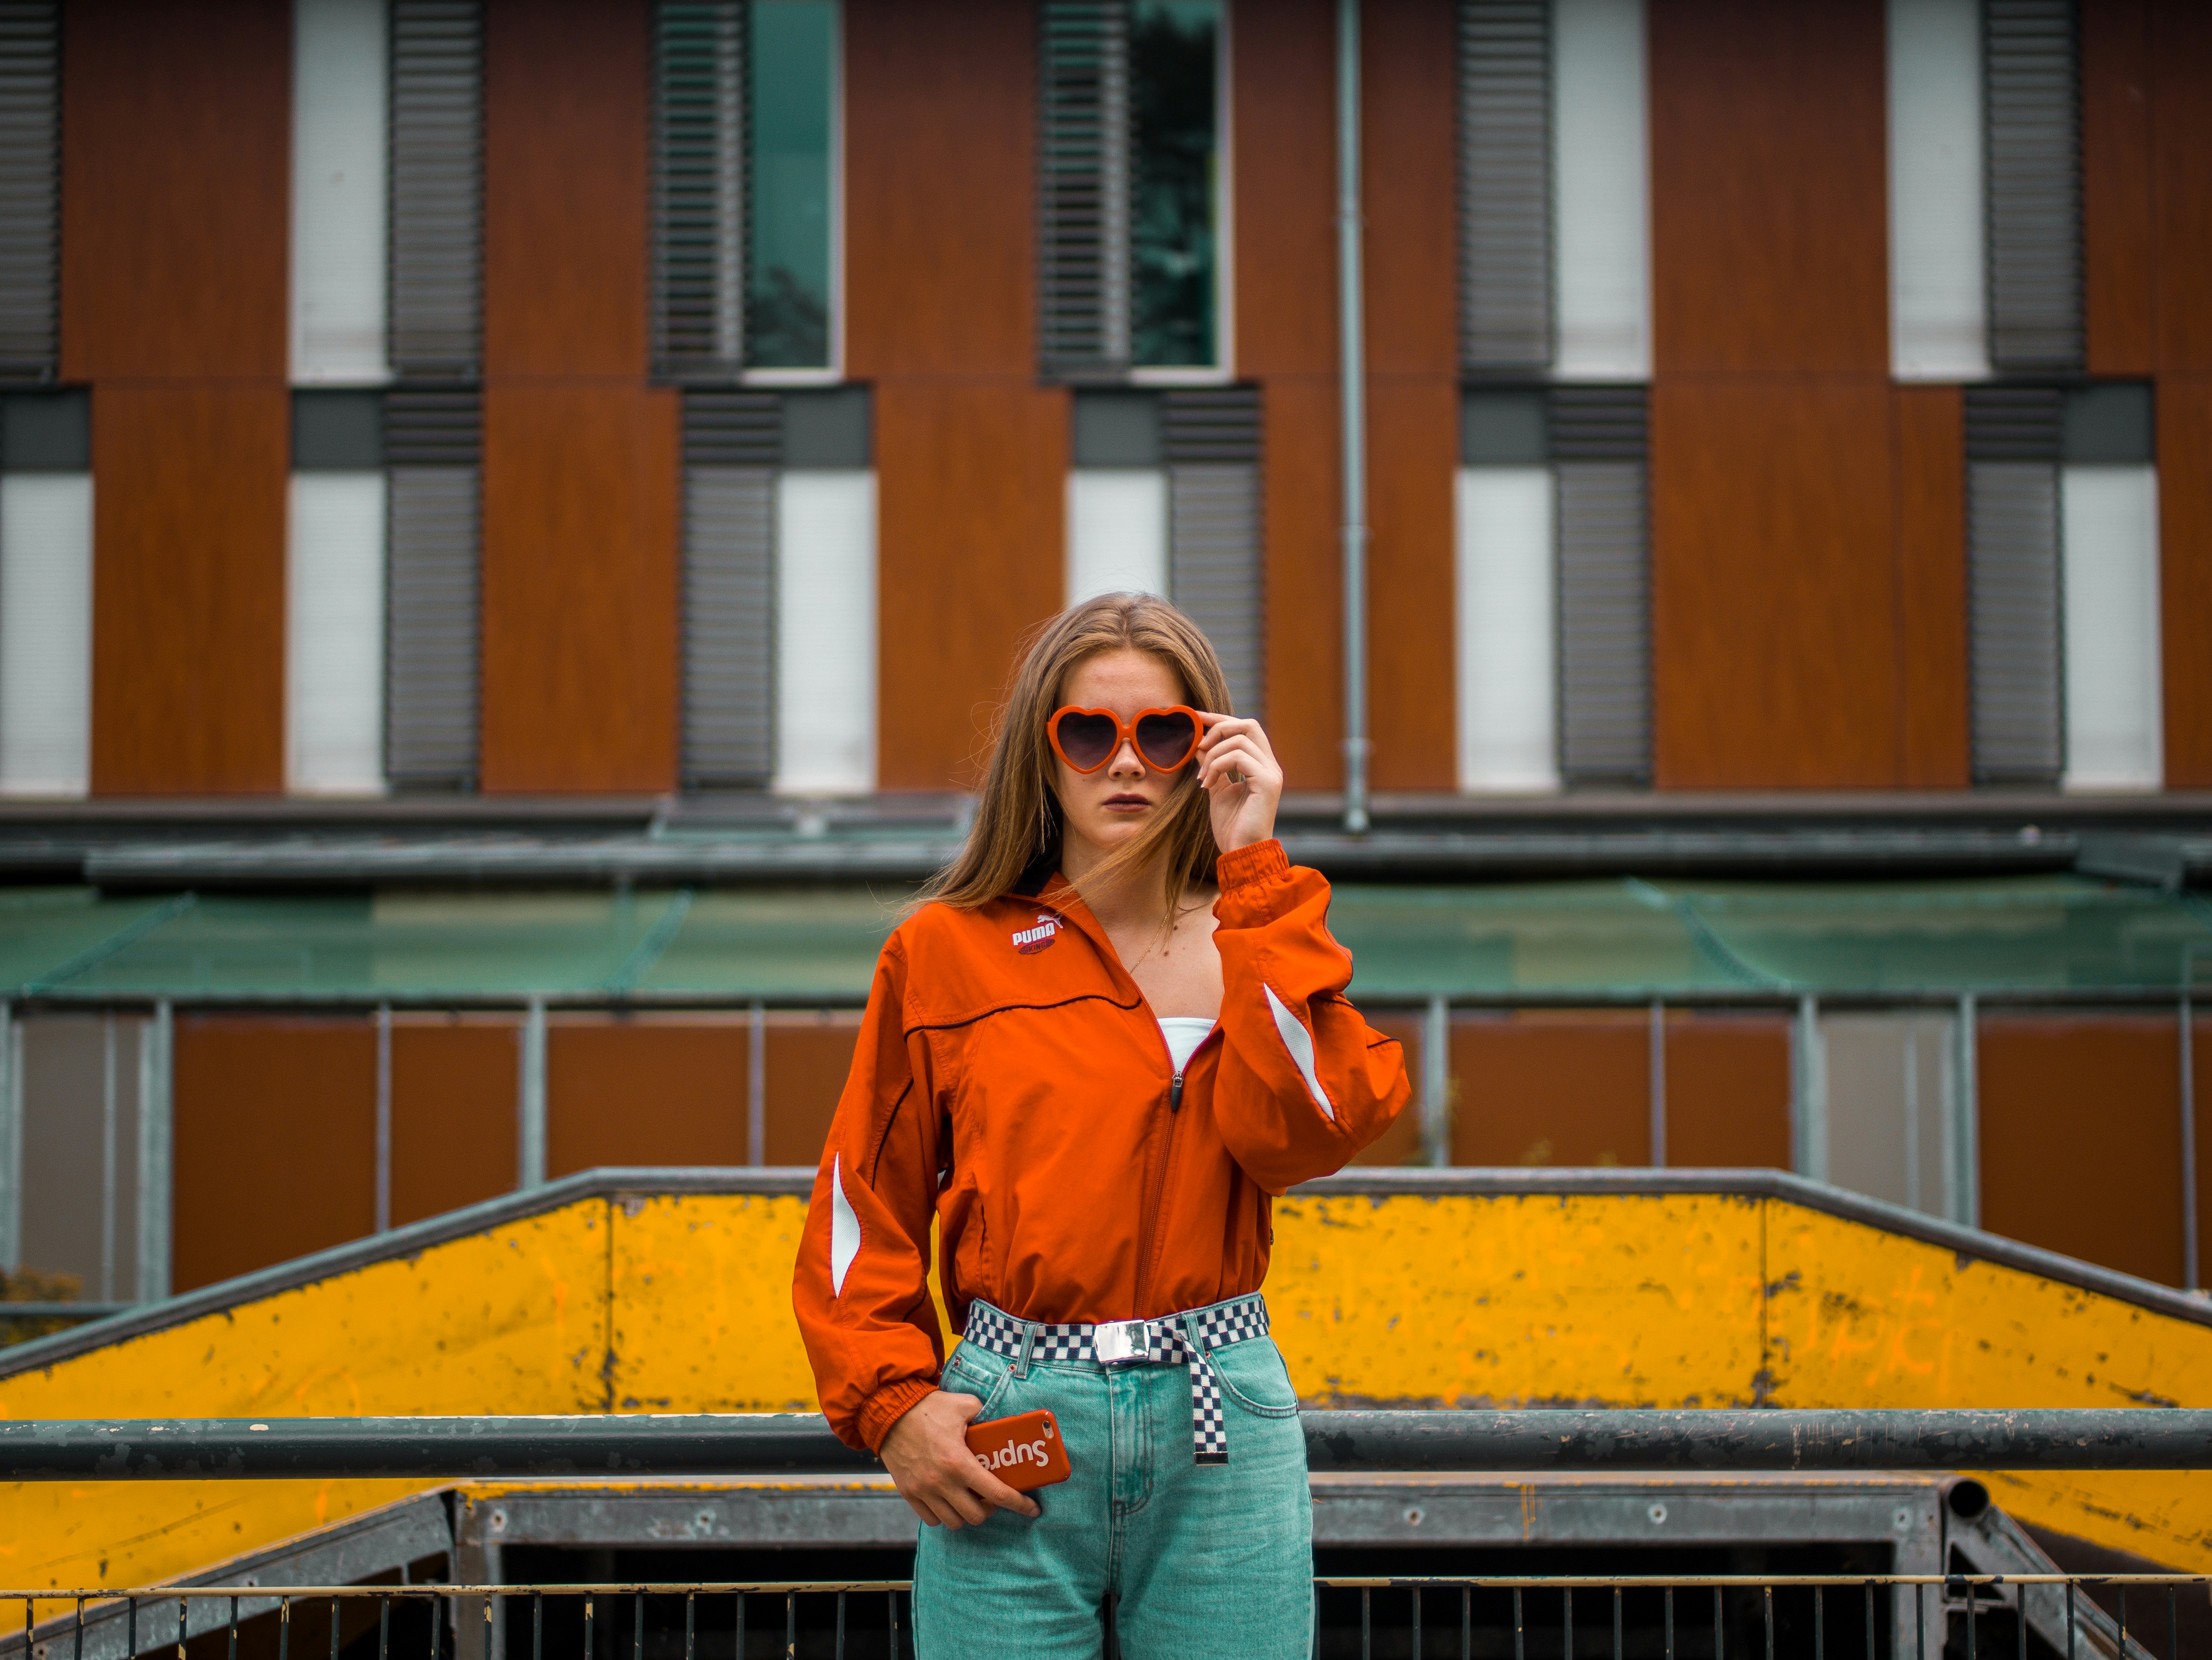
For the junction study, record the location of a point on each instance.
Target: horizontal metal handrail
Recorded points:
(1411, 1440)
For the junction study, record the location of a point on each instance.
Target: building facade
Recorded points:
(491, 416)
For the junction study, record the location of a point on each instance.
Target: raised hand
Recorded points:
(1237, 769)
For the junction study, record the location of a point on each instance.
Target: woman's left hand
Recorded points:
(1237, 769)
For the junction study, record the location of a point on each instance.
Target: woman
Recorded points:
(1091, 1068)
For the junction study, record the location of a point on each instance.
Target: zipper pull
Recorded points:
(1175, 1094)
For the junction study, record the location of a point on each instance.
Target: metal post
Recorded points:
(530, 1164)
(156, 1142)
(2191, 1277)
(1912, 1112)
(757, 1089)
(1436, 1083)
(110, 1160)
(11, 1140)
(383, 1117)
(1809, 1104)
(1352, 369)
(1656, 1089)
(1962, 1147)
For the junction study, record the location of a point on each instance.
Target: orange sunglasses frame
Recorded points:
(1125, 732)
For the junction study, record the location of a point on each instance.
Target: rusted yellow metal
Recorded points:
(682, 1303)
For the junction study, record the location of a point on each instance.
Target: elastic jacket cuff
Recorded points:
(1257, 863)
(888, 1405)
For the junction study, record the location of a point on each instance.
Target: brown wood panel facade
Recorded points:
(1282, 69)
(645, 1091)
(1768, 187)
(806, 1060)
(176, 189)
(2117, 213)
(1774, 633)
(275, 1149)
(188, 587)
(2112, 1195)
(971, 491)
(2185, 540)
(971, 454)
(568, 135)
(2181, 183)
(581, 492)
(1728, 1091)
(175, 260)
(1411, 189)
(456, 1082)
(1933, 743)
(1545, 1087)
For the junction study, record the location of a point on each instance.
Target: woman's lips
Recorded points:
(1128, 801)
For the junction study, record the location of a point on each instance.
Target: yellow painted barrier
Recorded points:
(680, 1301)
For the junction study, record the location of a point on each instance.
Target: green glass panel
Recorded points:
(792, 103)
(1173, 48)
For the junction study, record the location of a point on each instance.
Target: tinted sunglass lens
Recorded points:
(1166, 739)
(1087, 739)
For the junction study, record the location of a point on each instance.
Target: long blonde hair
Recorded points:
(1019, 819)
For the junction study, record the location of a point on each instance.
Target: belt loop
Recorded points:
(1189, 1318)
(1022, 1354)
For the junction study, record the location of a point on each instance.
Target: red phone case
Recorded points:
(1025, 1451)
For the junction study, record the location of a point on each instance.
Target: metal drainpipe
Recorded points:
(1351, 311)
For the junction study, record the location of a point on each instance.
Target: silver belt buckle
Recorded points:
(1118, 1342)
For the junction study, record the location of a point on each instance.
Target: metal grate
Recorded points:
(732, 444)
(1210, 441)
(433, 445)
(1597, 443)
(1506, 185)
(2032, 108)
(2015, 437)
(30, 190)
(699, 189)
(437, 188)
(1085, 305)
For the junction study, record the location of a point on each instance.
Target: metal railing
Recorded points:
(773, 1443)
(1532, 1617)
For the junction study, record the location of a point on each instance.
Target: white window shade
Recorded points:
(1507, 697)
(2113, 734)
(1117, 531)
(1602, 188)
(334, 635)
(45, 634)
(339, 212)
(825, 637)
(1938, 293)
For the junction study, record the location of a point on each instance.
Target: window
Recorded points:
(745, 190)
(1554, 644)
(46, 593)
(1985, 200)
(1132, 273)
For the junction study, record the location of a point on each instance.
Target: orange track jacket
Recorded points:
(1012, 1080)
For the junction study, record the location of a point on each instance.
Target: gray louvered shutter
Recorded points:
(1210, 439)
(1597, 440)
(2033, 110)
(1085, 303)
(436, 289)
(1506, 185)
(30, 190)
(2014, 570)
(433, 442)
(699, 188)
(733, 446)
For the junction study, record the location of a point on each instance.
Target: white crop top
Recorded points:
(1184, 1033)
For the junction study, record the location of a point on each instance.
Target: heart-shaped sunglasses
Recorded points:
(1086, 739)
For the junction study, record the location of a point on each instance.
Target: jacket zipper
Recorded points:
(1148, 1212)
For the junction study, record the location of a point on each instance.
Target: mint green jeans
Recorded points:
(1202, 1560)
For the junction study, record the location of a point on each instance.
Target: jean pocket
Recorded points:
(1253, 1375)
(982, 1375)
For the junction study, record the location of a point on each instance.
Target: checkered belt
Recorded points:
(1161, 1342)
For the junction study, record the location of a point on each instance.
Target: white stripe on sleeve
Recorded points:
(844, 1228)
(1299, 1042)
